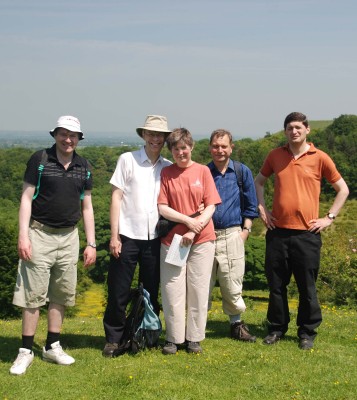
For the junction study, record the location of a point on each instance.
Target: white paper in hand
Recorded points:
(177, 254)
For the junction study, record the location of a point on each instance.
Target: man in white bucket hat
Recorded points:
(70, 123)
(56, 191)
(133, 218)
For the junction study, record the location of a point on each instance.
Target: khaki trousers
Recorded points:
(184, 292)
(228, 268)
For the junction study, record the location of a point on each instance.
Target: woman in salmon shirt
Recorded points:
(185, 185)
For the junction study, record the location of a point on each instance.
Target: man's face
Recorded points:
(66, 141)
(221, 149)
(154, 141)
(296, 132)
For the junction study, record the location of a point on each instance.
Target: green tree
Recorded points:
(8, 263)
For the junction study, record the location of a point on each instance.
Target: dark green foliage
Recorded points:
(12, 168)
(254, 277)
(8, 269)
(338, 274)
(339, 140)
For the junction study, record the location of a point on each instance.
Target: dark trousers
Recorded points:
(146, 253)
(290, 251)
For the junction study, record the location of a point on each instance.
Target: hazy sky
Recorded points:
(242, 65)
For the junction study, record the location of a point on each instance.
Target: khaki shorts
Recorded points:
(51, 274)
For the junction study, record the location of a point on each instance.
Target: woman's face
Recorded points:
(181, 153)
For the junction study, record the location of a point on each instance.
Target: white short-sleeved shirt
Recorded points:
(139, 180)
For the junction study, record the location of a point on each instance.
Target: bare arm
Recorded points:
(115, 242)
(90, 253)
(193, 224)
(265, 214)
(24, 245)
(342, 192)
(204, 218)
(206, 215)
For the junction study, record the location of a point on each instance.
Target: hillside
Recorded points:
(338, 138)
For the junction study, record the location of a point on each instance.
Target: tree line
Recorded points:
(338, 278)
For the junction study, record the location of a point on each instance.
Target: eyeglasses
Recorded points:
(65, 135)
(154, 134)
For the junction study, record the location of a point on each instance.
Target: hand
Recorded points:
(201, 208)
(115, 246)
(194, 225)
(89, 256)
(319, 224)
(244, 234)
(267, 217)
(24, 248)
(187, 238)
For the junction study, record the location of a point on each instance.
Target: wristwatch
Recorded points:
(331, 216)
(247, 229)
(92, 244)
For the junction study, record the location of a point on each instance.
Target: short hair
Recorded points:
(296, 116)
(178, 135)
(220, 133)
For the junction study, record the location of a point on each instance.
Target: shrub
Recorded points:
(337, 281)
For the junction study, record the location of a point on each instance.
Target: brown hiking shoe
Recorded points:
(240, 331)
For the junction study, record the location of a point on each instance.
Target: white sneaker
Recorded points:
(57, 355)
(23, 361)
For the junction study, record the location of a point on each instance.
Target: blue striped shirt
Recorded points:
(229, 212)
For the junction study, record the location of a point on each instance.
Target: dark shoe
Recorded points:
(169, 348)
(273, 338)
(193, 347)
(109, 349)
(306, 344)
(240, 331)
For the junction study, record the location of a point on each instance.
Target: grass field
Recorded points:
(226, 370)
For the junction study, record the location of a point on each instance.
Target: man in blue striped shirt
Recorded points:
(232, 223)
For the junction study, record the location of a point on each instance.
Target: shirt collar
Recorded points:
(213, 167)
(312, 148)
(144, 157)
(52, 154)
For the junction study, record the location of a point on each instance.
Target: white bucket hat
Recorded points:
(156, 123)
(70, 123)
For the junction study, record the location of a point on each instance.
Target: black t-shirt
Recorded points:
(58, 203)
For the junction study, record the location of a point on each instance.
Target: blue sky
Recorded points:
(235, 64)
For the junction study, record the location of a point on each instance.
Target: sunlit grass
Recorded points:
(226, 370)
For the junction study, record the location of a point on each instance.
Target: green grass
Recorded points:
(226, 370)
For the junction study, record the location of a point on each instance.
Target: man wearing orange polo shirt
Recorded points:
(293, 240)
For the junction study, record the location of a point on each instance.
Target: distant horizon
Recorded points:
(133, 137)
(91, 135)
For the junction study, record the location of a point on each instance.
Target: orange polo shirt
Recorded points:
(297, 184)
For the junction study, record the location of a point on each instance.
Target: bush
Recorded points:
(8, 269)
(337, 283)
(254, 278)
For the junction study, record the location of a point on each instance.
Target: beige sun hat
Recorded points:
(156, 123)
(70, 123)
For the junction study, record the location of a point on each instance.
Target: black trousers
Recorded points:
(146, 253)
(290, 251)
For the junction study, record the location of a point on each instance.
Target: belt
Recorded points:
(49, 229)
(228, 230)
